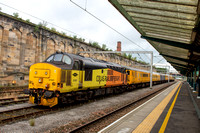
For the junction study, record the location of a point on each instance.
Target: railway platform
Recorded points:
(176, 109)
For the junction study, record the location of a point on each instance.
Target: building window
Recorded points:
(22, 78)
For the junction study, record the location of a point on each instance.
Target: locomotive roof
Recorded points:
(135, 69)
(91, 63)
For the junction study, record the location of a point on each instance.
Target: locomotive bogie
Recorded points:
(44, 101)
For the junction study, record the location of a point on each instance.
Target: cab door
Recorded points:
(77, 74)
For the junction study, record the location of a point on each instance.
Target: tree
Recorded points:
(95, 44)
(161, 70)
(28, 20)
(125, 55)
(15, 14)
(129, 56)
(53, 29)
(103, 46)
(75, 37)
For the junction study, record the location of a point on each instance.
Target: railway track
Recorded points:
(13, 100)
(84, 125)
(13, 88)
(35, 111)
(10, 91)
(22, 113)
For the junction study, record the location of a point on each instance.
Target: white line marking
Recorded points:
(133, 111)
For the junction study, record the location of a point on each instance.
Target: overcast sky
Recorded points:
(72, 19)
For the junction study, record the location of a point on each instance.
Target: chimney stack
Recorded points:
(118, 46)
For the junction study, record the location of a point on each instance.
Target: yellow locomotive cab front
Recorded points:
(44, 84)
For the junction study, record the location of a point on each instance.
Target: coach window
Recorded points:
(128, 72)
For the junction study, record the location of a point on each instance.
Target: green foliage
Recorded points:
(129, 56)
(43, 24)
(0, 9)
(63, 33)
(161, 70)
(32, 122)
(124, 55)
(75, 37)
(142, 62)
(28, 20)
(37, 28)
(90, 43)
(15, 14)
(53, 29)
(81, 39)
(95, 44)
(104, 47)
(135, 58)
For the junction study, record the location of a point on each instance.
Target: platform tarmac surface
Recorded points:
(170, 111)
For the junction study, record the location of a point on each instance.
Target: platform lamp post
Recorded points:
(120, 52)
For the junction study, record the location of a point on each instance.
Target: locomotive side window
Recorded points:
(88, 74)
(145, 75)
(76, 65)
(67, 60)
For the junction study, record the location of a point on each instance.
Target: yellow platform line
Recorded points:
(164, 125)
(148, 123)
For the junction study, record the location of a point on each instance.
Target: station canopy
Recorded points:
(170, 26)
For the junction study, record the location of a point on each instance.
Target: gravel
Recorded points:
(80, 112)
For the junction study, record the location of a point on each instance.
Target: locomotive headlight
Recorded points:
(47, 85)
(35, 72)
(46, 73)
(40, 80)
(53, 83)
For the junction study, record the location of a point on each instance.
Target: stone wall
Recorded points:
(21, 45)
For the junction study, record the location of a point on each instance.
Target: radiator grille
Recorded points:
(68, 82)
(63, 76)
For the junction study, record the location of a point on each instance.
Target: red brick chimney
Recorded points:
(118, 46)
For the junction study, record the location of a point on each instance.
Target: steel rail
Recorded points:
(118, 109)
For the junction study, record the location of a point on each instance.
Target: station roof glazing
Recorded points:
(170, 26)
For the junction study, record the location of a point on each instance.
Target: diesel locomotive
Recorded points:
(65, 78)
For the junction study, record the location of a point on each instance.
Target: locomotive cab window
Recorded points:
(50, 58)
(67, 60)
(58, 57)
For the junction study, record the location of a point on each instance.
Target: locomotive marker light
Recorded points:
(120, 52)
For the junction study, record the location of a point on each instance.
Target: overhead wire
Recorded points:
(40, 19)
(74, 32)
(108, 26)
